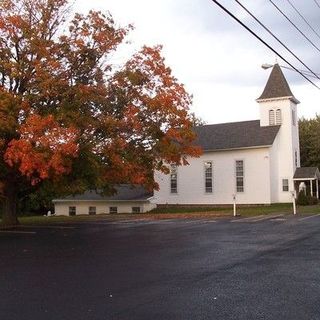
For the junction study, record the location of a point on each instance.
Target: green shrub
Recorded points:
(304, 200)
(312, 200)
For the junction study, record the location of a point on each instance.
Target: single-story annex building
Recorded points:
(127, 199)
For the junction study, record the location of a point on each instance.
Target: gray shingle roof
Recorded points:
(277, 86)
(125, 192)
(306, 173)
(235, 135)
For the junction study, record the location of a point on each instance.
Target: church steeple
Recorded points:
(278, 107)
(277, 87)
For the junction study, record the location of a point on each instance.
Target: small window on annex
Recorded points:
(239, 176)
(208, 172)
(72, 211)
(278, 117)
(285, 185)
(136, 210)
(271, 118)
(92, 210)
(113, 209)
(174, 179)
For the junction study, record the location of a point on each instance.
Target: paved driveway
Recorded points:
(187, 269)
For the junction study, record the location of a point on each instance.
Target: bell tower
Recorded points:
(278, 107)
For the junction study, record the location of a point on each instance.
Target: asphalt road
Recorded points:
(186, 269)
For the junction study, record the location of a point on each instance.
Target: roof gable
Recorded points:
(277, 86)
(307, 173)
(235, 135)
(124, 192)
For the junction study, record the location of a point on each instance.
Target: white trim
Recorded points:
(92, 200)
(303, 179)
(239, 148)
(292, 98)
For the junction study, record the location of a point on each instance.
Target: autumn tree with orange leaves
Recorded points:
(68, 116)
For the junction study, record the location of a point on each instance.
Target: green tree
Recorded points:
(309, 132)
(69, 118)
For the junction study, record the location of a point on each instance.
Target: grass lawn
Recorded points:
(245, 211)
(178, 212)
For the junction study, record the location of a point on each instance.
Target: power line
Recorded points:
(274, 36)
(261, 40)
(316, 2)
(294, 25)
(305, 72)
(303, 18)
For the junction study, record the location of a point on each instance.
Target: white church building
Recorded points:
(257, 161)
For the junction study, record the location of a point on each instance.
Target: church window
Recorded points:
(271, 118)
(285, 185)
(239, 176)
(208, 172)
(174, 179)
(278, 117)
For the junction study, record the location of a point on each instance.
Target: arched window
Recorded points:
(278, 116)
(271, 118)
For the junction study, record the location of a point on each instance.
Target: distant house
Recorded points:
(127, 199)
(257, 161)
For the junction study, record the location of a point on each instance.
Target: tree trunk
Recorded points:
(9, 215)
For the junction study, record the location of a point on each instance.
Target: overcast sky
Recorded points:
(219, 61)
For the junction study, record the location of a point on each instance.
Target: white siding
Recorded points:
(82, 207)
(274, 172)
(191, 182)
(282, 153)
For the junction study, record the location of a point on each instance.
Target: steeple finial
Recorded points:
(277, 86)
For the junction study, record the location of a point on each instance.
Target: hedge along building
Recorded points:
(254, 160)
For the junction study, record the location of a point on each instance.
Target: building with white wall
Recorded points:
(254, 160)
(126, 199)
